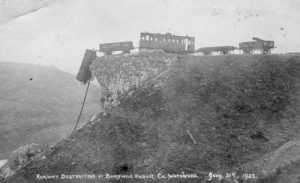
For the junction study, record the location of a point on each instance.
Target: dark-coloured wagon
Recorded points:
(258, 44)
(108, 48)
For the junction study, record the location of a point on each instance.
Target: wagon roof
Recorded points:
(165, 35)
(115, 42)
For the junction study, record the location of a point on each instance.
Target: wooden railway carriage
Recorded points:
(258, 44)
(108, 48)
(167, 42)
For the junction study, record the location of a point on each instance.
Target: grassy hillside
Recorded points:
(204, 114)
(39, 104)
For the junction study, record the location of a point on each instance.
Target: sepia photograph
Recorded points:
(149, 91)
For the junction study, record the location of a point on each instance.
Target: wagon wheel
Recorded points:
(262, 51)
(268, 51)
(246, 51)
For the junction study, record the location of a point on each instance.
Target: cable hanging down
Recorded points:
(87, 88)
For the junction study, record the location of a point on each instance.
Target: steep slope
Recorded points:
(39, 104)
(200, 115)
(281, 165)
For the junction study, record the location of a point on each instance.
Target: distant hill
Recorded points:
(39, 104)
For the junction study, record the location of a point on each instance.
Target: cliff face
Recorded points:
(191, 114)
(118, 73)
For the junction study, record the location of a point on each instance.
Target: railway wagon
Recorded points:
(167, 42)
(108, 48)
(223, 50)
(258, 44)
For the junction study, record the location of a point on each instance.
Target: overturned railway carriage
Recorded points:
(108, 48)
(167, 42)
(223, 50)
(258, 44)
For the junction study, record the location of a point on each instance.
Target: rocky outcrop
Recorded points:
(118, 73)
(19, 158)
(2, 162)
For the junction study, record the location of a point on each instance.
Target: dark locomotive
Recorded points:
(171, 43)
(167, 42)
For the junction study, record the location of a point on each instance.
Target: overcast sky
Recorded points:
(57, 32)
